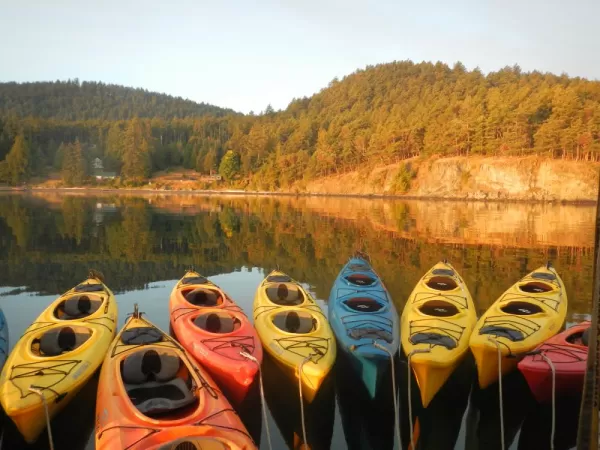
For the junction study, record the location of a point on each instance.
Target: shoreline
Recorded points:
(240, 192)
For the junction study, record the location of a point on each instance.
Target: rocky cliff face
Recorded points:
(529, 178)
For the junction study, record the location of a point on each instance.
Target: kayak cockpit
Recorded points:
(60, 340)
(158, 383)
(360, 279)
(217, 322)
(285, 294)
(195, 443)
(521, 308)
(441, 283)
(363, 304)
(535, 287)
(203, 297)
(438, 308)
(298, 322)
(78, 307)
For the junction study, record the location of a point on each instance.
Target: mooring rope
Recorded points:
(41, 394)
(500, 390)
(308, 358)
(553, 429)
(396, 413)
(262, 395)
(415, 351)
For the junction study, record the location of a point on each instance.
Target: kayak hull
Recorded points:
(569, 361)
(221, 354)
(528, 313)
(362, 312)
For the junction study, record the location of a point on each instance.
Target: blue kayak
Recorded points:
(362, 312)
(3, 339)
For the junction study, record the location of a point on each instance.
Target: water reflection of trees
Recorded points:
(47, 244)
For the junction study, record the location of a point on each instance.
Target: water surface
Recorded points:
(143, 244)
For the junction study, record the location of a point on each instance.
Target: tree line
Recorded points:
(376, 116)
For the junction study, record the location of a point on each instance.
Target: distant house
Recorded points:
(97, 164)
(101, 175)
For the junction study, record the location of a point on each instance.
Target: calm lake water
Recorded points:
(143, 244)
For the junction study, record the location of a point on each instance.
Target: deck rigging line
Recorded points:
(414, 352)
(553, 429)
(48, 427)
(263, 402)
(500, 402)
(396, 413)
(308, 358)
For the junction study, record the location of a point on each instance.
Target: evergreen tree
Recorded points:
(74, 167)
(230, 165)
(136, 152)
(18, 161)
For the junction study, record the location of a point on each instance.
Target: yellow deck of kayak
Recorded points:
(59, 377)
(437, 321)
(529, 312)
(290, 350)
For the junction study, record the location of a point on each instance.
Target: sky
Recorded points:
(246, 54)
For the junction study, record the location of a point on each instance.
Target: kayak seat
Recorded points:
(363, 304)
(78, 307)
(521, 308)
(585, 337)
(151, 381)
(203, 297)
(194, 280)
(438, 308)
(371, 333)
(279, 279)
(441, 283)
(285, 294)
(535, 287)
(61, 340)
(217, 322)
(359, 279)
(89, 287)
(444, 272)
(433, 339)
(295, 322)
(508, 333)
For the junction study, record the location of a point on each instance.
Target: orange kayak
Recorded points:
(153, 396)
(215, 331)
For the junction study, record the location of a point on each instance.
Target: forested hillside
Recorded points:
(382, 114)
(72, 100)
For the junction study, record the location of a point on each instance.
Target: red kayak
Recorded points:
(211, 327)
(568, 353)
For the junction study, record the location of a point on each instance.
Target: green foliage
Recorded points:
(378, 116)
(17, 162)
(403, 178)
(72, 100)
(230, 165)
(74, 167)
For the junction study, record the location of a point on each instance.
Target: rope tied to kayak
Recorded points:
(300, 367)
(393, 370)
(263, 403)
(552, 369)
(41, 394)
(499, 389)
(410, 355)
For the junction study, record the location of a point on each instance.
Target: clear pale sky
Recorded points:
(245, 54)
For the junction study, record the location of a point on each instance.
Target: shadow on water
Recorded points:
(283, 401)
(437, 426)
(367, 423)
(72, 429)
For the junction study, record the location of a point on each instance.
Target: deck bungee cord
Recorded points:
(190, 310)
(263, 402)
(43, 368)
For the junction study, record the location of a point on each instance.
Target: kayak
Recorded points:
(3, 339)
(216, 332)
(437, 321)
(362, 312)
(529, 312)
(567, 352)
(57, 355)
(294, 331)
(152, 395)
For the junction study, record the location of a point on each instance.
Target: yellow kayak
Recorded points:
(437, 321)
(529, 312)
(57, 355)
(294, 331)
